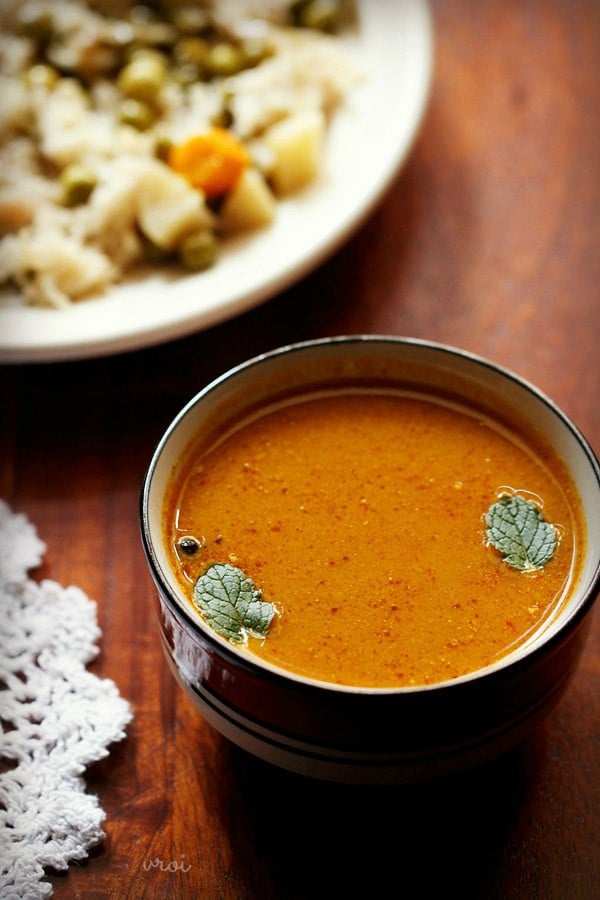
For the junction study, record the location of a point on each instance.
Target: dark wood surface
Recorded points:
(489, 239)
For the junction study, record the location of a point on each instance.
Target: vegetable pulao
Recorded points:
(147, 134)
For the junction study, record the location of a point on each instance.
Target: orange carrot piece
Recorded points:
(212, 162)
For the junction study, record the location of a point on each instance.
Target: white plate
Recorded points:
(368, 141)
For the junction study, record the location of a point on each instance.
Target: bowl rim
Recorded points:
(237, 658)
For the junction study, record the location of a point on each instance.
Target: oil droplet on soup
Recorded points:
(360, 515)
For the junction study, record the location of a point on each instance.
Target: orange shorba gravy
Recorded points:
(360, 516)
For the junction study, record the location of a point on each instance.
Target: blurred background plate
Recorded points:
(368, 141)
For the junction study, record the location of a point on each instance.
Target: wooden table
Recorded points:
(489, 239)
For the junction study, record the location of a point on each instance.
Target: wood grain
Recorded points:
(488, 239)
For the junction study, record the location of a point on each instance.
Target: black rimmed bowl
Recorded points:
(370, 735)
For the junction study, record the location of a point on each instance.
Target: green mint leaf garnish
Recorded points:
(231, 604)
(517, 528)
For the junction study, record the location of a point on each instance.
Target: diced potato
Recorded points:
(250, 203)
(168, 208)
(297, 145)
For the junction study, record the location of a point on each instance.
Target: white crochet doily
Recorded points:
(56, 718)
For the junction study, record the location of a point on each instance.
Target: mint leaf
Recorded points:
(231, 604)
(517, 528)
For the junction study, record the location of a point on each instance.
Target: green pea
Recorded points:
(143, 77)
(321, 15)
(198, 251)
(136, 113)
(224, 59)
(77, 184)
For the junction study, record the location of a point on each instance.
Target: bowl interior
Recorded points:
(383, 362)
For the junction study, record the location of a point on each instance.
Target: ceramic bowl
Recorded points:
(370, 735)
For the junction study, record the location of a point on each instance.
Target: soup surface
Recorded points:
(361, 517)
